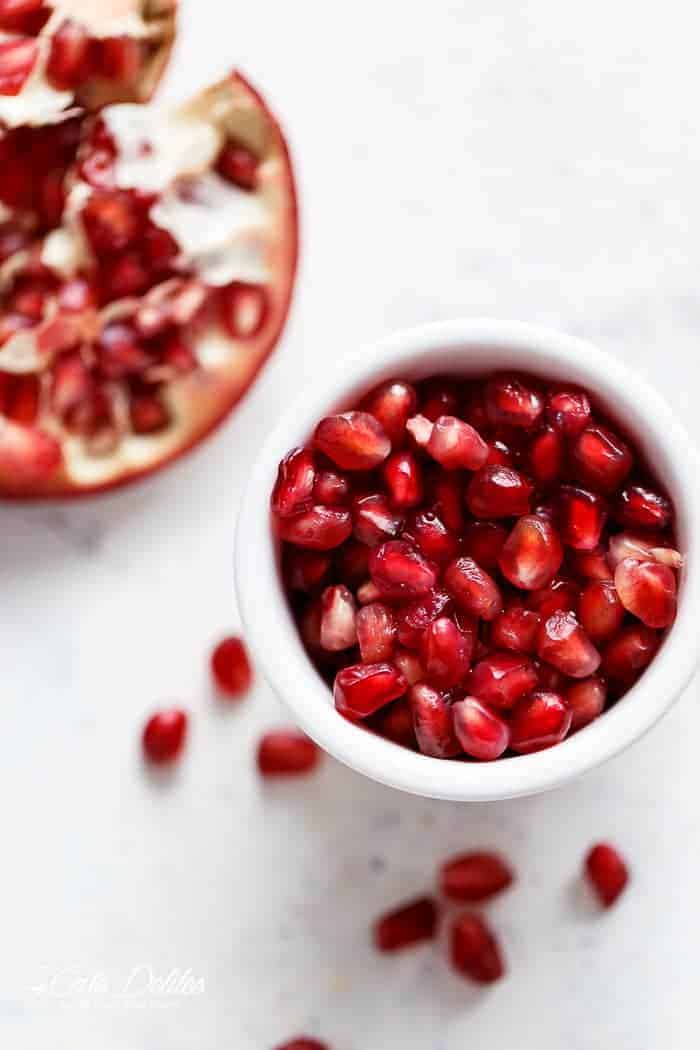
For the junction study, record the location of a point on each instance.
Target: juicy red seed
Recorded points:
(368, 592)
(456, 445)
(532, 554)
(12, 323)
(120, 351)
(238, 164)
(111, 221)
(148, 413)
(647, 547)
(474, 951)
(429, 533)
(516, 629)
(439, 397)
(564, 643)
(403, 479)
(627, 655)
(331, 489)
(539, 721)
(413, 617)
(320, 528)
(338, 627)
(647, 590)
(14, 12)
(76, 295)
(71, 383)
(448, 498)
(432, 722)
(243, 309)
(376, 633)
(119, 57)
(607, 871)
(164, 735)
(446, 652)
(231, 668)
(410, 666)
(601, 459)
(374, 521)
(482, 733)
(392, 404)
(17, 59)
(498, 492)
(500, 679)
(508, 400)
(395, 722)
(123, 277)
(545, 456)
(590, 565)
(600, 610)
(305, 570)
(303, 1042)
(473, 589)
(352, 563)
(407, 925)
(499, 455)
(474, 876)
(568, 411)
(361, 689)
(561, 595)
(581, 516)
(483, 541)
(70, 57)
(400, 571)
(353, 440)
(27, 453)
(585, 700)
(640, 507)
(286, 752)
(294, 488)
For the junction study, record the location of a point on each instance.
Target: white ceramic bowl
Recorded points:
(469, 347)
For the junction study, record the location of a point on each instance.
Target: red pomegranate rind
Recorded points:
(474, 951)
(607, 872)
(407, 925)
(474, 876)
(286, 753)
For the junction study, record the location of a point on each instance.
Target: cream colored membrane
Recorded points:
(37, 102)
(102, 18)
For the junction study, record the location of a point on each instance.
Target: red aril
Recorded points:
(361, 689)
(449, 502)
(403, 477)
(568, 411)
(148, 413)
(353, 440)
(473, 589)
(445, 652)
(294, 488)
(560, 595)
(243, 309)
(600, 610)
(16, 16)
(452, 443)
(438, 396)
(482, 733)
(413, 617)
(539, 721)
(376, 632)
(395, 723)
(374, 521)
(629, 653)
(499, 455)
(429, 533)
(474, 876)
(551, 679)
(112, 220)
(351, 562)
(320, 528)
(305, 570)
(483, 541)
(581, 516)
(164, 735)
(517, 629)
(638, 507)
(120, 57)
(500, 679)
(607, 872)
(409, 924)
(368, 592)
(590, 565)
(302, 1042)
(432, 721)
(400, 571)
(338, 627)
(18, 56)
(238, 164)
(331, 489)
(392, 404)
(410, 666)
(565, 644)
(474, 951)
(643, 547)
(532, 554)
(545, 456)
(647, 590)
(601, 459)
(230, 667)
(510, 401)
(586, 700)
(286, 753)
(70, 56)
(498, 492)
(28, 456)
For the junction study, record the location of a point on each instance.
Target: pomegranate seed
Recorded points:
(395, 722)
(238, 164)
(568, 411)
(413, 618)
(448, 500)
(473, 589)
(361, 689)
(607, 872)
(590, 565)
(391, 404)
(452, 443)
(407, 925)
(119, 57)
(474, 951)
(123, 277)
(231, 668)
(550, 679)
(539, 721)
(499, 455)
(439, 397)
(639, 507)
(310, 628)
(498, 492)
(294, 487)
(13, 13)
(516, 629)
(429, 533)
(374, 521)
(500, 679)
(148, 413)
(338, 629)
(305, 570)
(474, 877)
(71, 383)
(647, 590)
(600, 458)
(76, 295)
(545, 456)
(286, 753)
(110, 221)
(27, 454)
(70, 57)
(400, 571)
(532, 554)
(627, 655)
(320, 528)
(18, 56)
(376, 633)
(410, 666)
(243, 309)
(420, 428)
(600, 610)
(560, 595)
(481, 732)
(164, 735)
(353, 440)
(432, 722)
(368, 593)
(446, 652)
(403, 479)
(331, 489)
(483, 541)
(581, 516)
(22, 399)
(510, 401)
(564, 643)
(352, 563)
(303, 1042)
(643, 548)
(586, 700)
(120, 351)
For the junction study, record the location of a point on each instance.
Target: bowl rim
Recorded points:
(272, 635)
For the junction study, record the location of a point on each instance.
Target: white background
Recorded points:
(532, 160)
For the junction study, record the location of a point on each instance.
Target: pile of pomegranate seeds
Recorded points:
(480, 567)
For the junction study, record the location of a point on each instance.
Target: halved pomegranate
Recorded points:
(147, 314)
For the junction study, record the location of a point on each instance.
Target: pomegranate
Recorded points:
(406, 925)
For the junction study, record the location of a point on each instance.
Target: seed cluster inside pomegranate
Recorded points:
(479, 568)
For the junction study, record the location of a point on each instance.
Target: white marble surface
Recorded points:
(529, 160)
